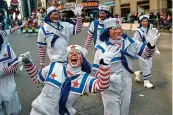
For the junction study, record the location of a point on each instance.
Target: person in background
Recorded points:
(97, 27)
(145, 64)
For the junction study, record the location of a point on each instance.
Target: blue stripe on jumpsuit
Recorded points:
(123, 53)
(65, 90)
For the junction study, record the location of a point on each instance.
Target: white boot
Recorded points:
(147, 84)
(138, 75)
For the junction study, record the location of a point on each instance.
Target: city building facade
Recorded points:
(145, 6)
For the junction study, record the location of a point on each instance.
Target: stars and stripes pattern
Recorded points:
(103, 81)
(78, 23)
(10, 70)
(88, 41)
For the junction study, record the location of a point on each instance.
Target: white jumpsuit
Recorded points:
(8, 90)
(55, 38)
(47, 35)
(116, 98)
(145, 64)
(47, 103)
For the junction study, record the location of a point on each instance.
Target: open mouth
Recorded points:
(74, 60)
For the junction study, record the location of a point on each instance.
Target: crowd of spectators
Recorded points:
(159, 20)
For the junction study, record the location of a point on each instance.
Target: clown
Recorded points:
(9, 101)
(64, 83)
(97, 26)
(55, 35)
(145, 65)
(116, 98)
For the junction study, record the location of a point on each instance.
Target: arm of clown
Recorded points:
(102, 80)
(77, 11)
(147, 51)
(12, 65)
(9, 70)
(42, 46)
(17, 27)
(90, 36)
(37, 76)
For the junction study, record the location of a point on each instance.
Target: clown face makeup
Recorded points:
(75, 58)
(144, 23)
(115, 33)
(102, 15)
(54, 17)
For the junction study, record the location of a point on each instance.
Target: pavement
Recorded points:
(157, 101)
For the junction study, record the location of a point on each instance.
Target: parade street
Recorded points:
(144, 101)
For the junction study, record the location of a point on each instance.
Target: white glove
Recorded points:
(24, 58)
(110, 53)
(1, 73)
(152, 37)
(78, 9)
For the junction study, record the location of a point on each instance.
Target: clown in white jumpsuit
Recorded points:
(116, 98)
(54, 36)
(64, 83)
(145, 64)
(97, 27)
(9, 100)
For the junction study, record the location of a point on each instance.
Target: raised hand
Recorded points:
(153, 36)
(110, 53)
(78, 9)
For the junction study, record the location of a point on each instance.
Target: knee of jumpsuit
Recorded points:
(71, 110)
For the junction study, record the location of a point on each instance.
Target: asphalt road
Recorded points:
(157, 101)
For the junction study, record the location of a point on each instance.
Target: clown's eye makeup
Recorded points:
(54, 13)
(71, 52)
(78, 52)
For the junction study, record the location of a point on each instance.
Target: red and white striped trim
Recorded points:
(32, 71)
(88, 41)
(78, 23)
(10, 70)
(42, 53)
(103, 81)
